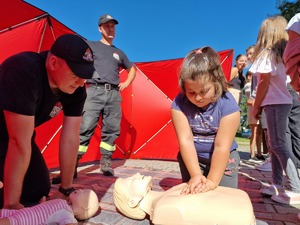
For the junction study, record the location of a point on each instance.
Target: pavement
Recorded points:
(165, 175)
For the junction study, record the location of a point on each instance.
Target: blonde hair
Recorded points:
(272, 36)
(203, 64)
(121, 199)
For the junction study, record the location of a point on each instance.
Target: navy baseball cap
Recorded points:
(77, 54)
(105, 18)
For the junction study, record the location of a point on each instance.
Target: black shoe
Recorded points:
(57, 180)
(105, 166)
(255, 159)
(107, 172)
(261, 157)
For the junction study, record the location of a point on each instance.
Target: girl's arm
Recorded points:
(224, 138)
(261, 91)
(187, 149)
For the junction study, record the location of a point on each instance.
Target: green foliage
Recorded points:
(242, 141)
(287, 8)
(243, 121)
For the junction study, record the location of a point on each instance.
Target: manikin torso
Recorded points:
(222, 206)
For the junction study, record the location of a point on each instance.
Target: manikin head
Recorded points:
(84, 203)
(128, 192)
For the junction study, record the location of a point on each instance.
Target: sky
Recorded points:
(153, 30)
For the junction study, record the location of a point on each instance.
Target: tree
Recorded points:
(288, 9)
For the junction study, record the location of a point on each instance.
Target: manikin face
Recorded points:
(138, 185)
(83, 199)
(63, 77)
(108, 30)
(198, 93)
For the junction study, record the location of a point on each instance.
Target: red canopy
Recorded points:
(146, 128)
(24, 27)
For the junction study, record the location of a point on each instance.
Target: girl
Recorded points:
(206, 118)
(272, 96)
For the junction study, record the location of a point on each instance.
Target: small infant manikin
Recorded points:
(81, 205)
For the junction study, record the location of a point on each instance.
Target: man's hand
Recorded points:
(249, 102)
(122, 86)
(14, 206)
(256, 112)
(56, 195)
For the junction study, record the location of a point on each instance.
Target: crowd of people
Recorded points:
(81, 78)
(272, 107)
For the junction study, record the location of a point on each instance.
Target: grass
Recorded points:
(243, 143)
(241, 140)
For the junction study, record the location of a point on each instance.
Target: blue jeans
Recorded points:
(277, 123)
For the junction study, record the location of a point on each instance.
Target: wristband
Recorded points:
(66, 191)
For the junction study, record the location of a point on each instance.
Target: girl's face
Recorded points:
(200, 94)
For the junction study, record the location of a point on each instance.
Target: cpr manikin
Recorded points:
(81, 205)
(134, 198)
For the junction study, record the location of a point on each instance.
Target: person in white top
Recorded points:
(272, 95)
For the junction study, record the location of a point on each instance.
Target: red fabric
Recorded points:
(146, 127)
(226, 58)
(24, 27)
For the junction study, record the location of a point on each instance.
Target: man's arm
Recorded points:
(4, 221)
(131, 75)
(20, 130)
(68, 149)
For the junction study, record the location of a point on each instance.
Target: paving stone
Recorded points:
(165, 175)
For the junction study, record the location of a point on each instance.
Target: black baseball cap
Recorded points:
(77, 53)
(105, 18)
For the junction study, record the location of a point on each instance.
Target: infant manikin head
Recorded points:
(129, 192)
(84, 203)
